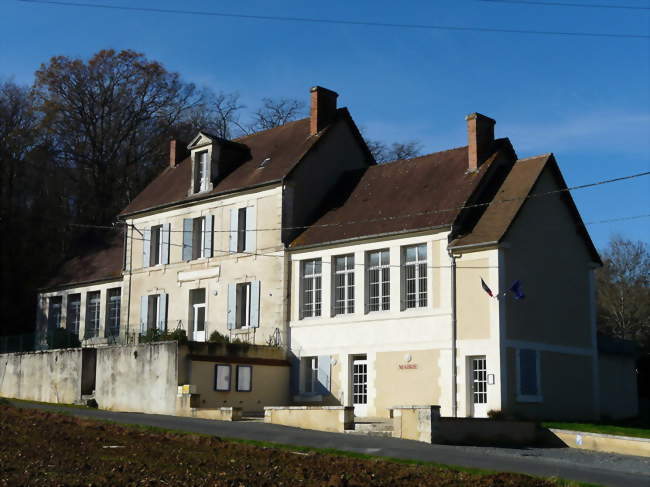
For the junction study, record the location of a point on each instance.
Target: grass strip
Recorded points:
(600, 428)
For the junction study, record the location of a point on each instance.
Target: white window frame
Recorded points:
(110, 308)
(158, 229)
(241, 229)
(343, 282)
(201, 176)
(221, 369)
(243, 316)
(383, 298)
(529, 397)
(152, 313)
(201, 251)
(309, 382)
(89, 318)
(73, 320)
(238, 385)
(412, 273)
(311, 283)
(54, 302)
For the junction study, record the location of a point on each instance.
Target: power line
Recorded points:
(568, 4)
(314, 20)
(445, 210)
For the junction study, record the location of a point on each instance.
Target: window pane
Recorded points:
(244, 373)
(311, 288)
(528, 372)
(222, 381)
(74, 313)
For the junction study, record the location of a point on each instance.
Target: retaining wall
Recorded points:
(323, 418)
(625, 445)
(47, 376)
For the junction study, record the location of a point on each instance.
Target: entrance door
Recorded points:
(199, 322)
(360, 386)
(478, 384)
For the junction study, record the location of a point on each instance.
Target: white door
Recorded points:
(360, 386)
(478, 385)
(199, 322)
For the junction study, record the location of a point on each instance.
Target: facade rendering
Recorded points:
(442, 279)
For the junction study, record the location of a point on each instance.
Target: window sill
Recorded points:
(529, 399)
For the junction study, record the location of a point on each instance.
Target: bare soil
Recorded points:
(40, 448)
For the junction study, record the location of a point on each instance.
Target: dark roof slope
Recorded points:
(407, 195)
(102, 263)
(284, 145)
(518, 185)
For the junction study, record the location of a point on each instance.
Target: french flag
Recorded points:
(486, 288)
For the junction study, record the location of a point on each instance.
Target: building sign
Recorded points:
(408, 366)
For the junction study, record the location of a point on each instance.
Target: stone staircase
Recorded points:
(378, 427)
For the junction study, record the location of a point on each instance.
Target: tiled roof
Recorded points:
(406, 195)
(101, 263)
(284, 146)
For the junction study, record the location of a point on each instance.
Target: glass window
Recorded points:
(74, 313)
(243, 305)
(197, 314)
(155, 245)
(311, 288)
(222, 377)
(198, 237)
(241, 229)
(244, 378)
(201, 172)
(54, 312)
(415, 276)
(310, 374)
(378, 279)
(93, 303)
(113, 312)
(344, 284)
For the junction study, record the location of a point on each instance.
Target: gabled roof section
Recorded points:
(284, 146)
(402, 196)
(98, 263)
(507, 203)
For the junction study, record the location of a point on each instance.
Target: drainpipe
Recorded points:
(454, 379)
(128, 301)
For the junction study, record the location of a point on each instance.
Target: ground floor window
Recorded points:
(222, 377)
(54, 312)
(93, 304)
(153, 313)
(74, 313)
(244, 378)
(310, 374)
(197, 314)
(528, 375)
(113, 312)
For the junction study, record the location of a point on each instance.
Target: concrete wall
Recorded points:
(618, 386)
(323, 418)
(141, 378)
(48, 376)
(177, 278)
(624, 445)
(419, 423)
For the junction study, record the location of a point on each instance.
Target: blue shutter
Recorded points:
(207, 246)
(232, 306)
(162, 312)
(251, 233)
(144, 311)
(146, 244)
(234, 216)
(255, 304)
(294, 377)
(323, 374)
(164, 242)
(187, 238)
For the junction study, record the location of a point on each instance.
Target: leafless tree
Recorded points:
(624, 290)
(383, 152)
(275, 112)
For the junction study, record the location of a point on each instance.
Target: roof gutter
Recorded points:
(79, 284)
(474, 245)
(124, 216)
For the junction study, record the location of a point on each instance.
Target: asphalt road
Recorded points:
(599, 468)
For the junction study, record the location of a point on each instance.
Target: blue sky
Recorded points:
(586, 99)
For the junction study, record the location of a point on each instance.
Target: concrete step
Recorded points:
(372, 427)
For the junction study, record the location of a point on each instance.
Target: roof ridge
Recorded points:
(547, 154)
(420, 157)
(268, 130)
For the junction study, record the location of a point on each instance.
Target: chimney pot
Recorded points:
(480, 139)
(323, 108)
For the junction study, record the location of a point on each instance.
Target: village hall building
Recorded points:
(462, 278)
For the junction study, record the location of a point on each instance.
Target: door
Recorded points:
(199, 322)
(360, 386)
(478, 386)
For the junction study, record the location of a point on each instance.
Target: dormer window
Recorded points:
(201, 173)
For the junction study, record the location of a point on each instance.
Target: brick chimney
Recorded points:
(323, 108)
(177, 152)
(480, 138)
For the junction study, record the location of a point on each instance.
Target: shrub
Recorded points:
(62, 338)
(155, 335)
(496, 414)
(216, 337)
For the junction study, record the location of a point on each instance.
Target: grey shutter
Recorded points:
(207, 246)
(232, 247)
(146, 247)
(164, 242)
(323, 374)
(255, 304)
(162, 312)
(232, 306)
(251, 233)
(144, 311)
(187, 238)
(294, 377)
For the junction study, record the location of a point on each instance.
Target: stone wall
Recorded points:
(323, 418)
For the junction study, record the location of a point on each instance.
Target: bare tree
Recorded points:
(395, 151)
(107, 118)
(217, 113)
(275, 112)
(624, 290)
